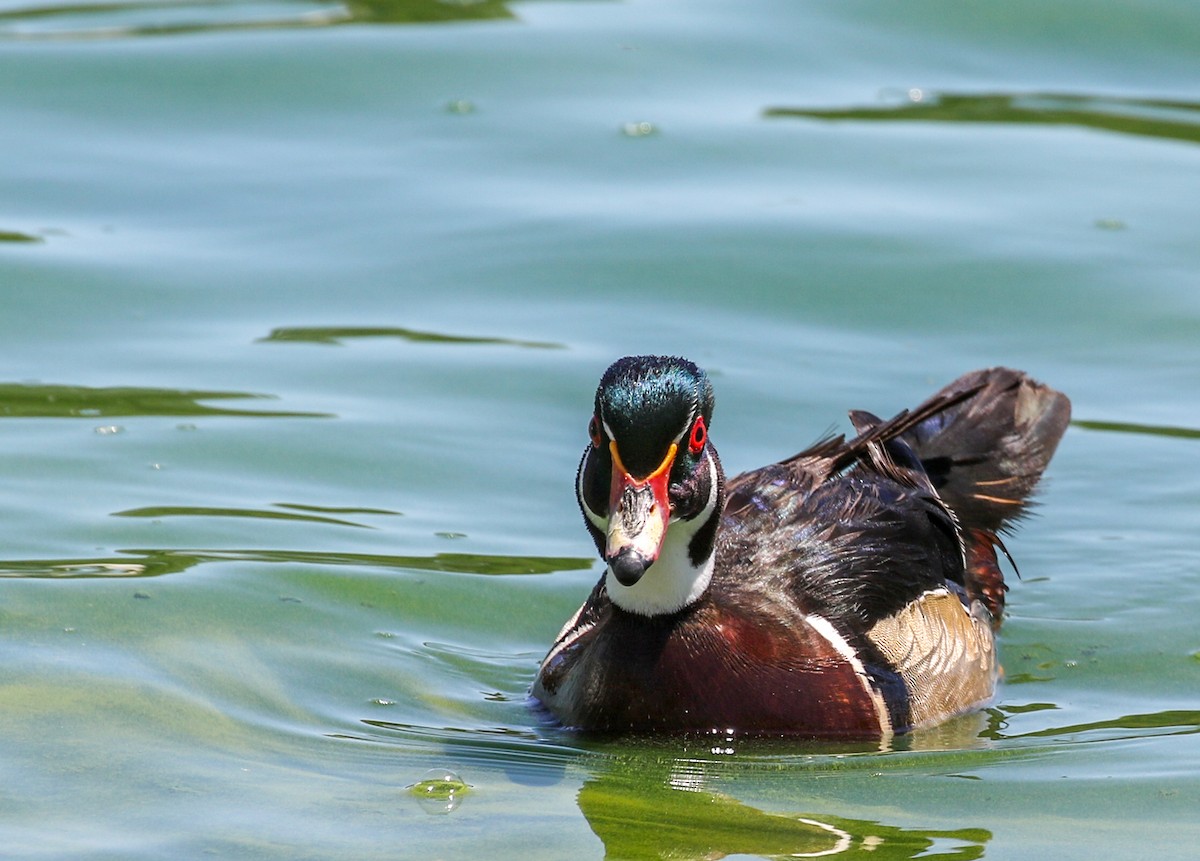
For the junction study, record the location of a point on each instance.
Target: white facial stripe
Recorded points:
(712, 486)
(686, 428)
(595, 519)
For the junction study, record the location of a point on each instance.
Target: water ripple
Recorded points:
(35, 400)
(1156, 118)
(92, 21)
(1170, 722)
(159, 511)
(339, 334)
(1135, 428)
(17, 236)
(158, 562)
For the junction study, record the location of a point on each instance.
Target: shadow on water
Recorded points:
(20, 400)
(338, 335)
(1173, 120)
(156, 563)
(84, 21)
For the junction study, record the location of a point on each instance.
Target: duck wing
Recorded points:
(862, 527)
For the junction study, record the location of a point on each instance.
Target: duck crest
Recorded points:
(851, 590)
(647, 402)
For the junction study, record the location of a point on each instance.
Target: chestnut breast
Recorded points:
(714, 668)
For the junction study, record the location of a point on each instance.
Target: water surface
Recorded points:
(304, 306)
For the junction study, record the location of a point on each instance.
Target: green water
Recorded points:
(303, 308)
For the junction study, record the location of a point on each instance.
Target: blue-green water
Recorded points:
(303, 308)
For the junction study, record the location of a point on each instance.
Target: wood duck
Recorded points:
(850, 591)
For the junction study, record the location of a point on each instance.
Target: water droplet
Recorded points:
(639, 130)
(380, 701)
(916, 94)
(439, 791)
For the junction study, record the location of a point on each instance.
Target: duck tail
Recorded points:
(982, 443)
(985, 453)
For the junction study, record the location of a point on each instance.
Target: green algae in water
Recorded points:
(14, 236)
(33, 400)
(337, 335)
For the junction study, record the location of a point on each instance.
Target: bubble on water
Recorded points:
(109, 430)
(639, 129)
(439, 791)
(460, 106)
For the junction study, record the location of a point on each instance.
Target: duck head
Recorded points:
(650, 484)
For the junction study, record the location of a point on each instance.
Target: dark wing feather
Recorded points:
(862, 526)
(986, 454)
(855, 548)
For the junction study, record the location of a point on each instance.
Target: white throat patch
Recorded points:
(672, 582)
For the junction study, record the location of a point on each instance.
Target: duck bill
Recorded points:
(639, 513)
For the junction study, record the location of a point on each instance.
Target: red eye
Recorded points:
(699, 435)
(594, 431)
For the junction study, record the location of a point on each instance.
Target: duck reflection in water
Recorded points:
(648, 808)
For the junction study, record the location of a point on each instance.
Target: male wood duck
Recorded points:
(849, 591)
